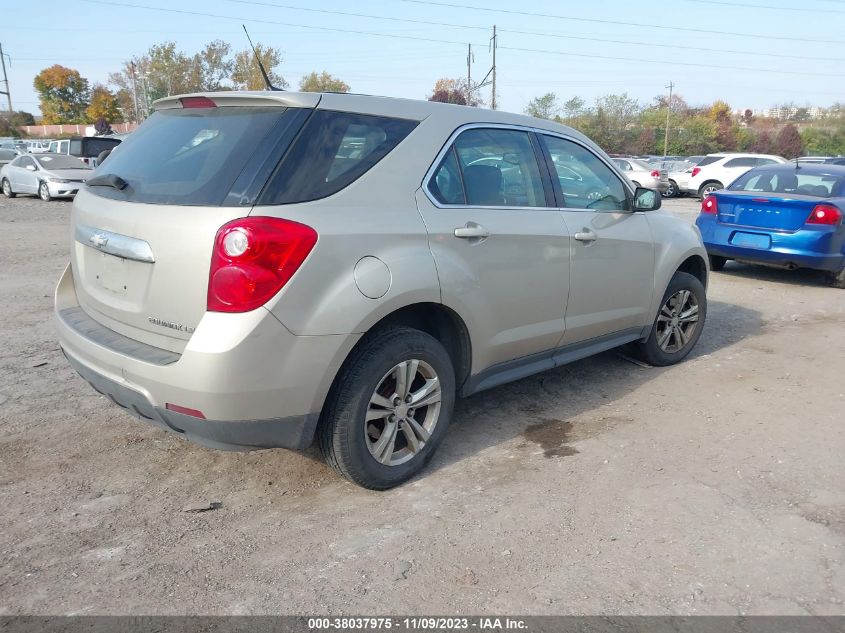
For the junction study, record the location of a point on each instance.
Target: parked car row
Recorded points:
(46, 175)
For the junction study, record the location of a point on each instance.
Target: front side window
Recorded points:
(624, 165)
(332, 151)
(586, 182)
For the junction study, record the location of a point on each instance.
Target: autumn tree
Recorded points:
(545, 107)
(573, 108)
(246, 75)
(788, 142)
(103, 105)
(322, 82)
(212, 67)
(763, 143)
(21, 118)
(63, 95)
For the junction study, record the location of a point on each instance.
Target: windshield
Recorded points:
(60, 162)
(190, 156)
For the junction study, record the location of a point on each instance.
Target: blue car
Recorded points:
(788, 216)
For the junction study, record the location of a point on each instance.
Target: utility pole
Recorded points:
(668, 111)
(493, 100)
(134, 90)
(469, 73)
(5, 77)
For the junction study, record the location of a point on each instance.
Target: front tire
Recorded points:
(717, 263)
(44, 192)
(7, 189)
(707, 188)
(389, 408)
(678, 324)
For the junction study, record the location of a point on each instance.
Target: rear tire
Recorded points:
(709, 187)
(44, 192)
(366, 402)
(717, 263)
(672, 191)
(7, 189)
(837, 279)
(678, 324)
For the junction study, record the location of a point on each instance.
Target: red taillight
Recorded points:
(253, 259)
(197, 102)
(710, 205)
(696, 171)
(194, 413)
(655, 174)
(825, 214)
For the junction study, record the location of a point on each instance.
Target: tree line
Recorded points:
(65, 96)
(620, 124)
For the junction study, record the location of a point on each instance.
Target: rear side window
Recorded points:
(741, 162)
(708, 160)
(332, 151)
(192, 156)
(446, 185)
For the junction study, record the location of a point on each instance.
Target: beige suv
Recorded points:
(257, 270)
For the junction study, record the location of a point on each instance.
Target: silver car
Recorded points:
(47, 176)
(642, 174)
(260, 269)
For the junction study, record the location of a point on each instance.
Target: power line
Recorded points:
(767, 6)
(462, 44)
(581, 38)
(620, 23)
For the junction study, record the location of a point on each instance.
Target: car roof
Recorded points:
(415, 109)
(743, 155)
(819, 169)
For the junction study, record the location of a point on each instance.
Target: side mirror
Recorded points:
(30, 167)
(646, 199)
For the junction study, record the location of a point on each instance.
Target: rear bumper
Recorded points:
(819, 249)
(296, 432)
(258, 385)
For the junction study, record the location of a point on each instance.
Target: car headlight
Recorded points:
(57, 180)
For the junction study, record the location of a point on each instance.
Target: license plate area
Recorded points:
(111, 273)
(752, 240)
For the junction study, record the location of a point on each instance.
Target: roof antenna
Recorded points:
(267, 83)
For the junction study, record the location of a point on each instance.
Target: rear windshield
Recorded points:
(60, 162)
(189, 156)
(708, 160)
(789, 182)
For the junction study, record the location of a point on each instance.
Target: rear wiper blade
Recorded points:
(107, 180)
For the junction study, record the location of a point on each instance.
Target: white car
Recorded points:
(47, 176)
(716, 171)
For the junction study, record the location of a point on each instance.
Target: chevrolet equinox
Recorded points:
(259, 269)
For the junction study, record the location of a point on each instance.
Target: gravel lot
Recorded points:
(712, 487)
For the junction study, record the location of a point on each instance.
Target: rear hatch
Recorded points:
(773, 212)
(144, 224)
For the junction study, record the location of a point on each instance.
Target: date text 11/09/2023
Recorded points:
(421, 623)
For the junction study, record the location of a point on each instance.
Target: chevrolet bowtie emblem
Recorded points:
(99, 240)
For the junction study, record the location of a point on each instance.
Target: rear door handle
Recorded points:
(586, 236)
(472, 230)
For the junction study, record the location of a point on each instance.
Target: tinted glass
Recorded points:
(446, 185)
(60, 162)
(624, 165)
(741, 162)
(708, 160)
(333, 150)
(586, 182)
(790, 182)
(765, 161)
(499, 168)
(189, 156)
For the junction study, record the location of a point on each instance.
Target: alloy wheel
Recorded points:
(677, 321)
(402, 413)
